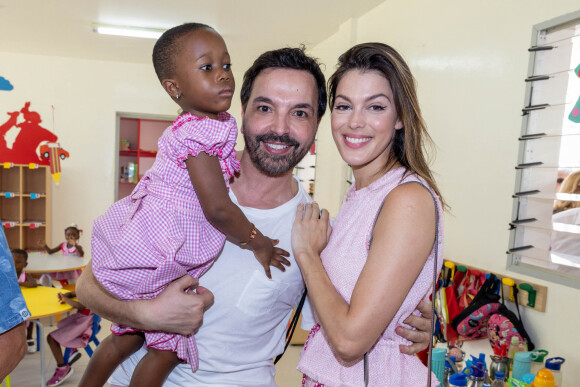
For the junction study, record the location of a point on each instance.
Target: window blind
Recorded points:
(549, 146)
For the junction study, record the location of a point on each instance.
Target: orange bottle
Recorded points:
(544, 378)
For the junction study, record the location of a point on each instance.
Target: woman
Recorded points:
(570, 185)
(360, 294)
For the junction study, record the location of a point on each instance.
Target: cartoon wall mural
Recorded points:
(24, 141)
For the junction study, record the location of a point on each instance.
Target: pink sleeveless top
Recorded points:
(343, 258)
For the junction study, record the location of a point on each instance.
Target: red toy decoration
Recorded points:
(33, 143)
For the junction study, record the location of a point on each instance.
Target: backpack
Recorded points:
(471, 323)
(504, 325)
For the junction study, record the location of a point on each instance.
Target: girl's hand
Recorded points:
(269, 255)
(62, 298)
(30, 283)
(310, 232)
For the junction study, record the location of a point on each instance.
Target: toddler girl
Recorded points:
(73, 331)
(174, 222)
(70, 247)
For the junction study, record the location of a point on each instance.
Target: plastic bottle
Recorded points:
(477, 375)
(538, 360)
(449, 369)
(458, 380)
(498, 363)
(499, 380)
(544, 378)
(522, 364)
(554, 364)
(516, 346)
(438, 363)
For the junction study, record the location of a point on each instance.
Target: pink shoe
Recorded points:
(60, 375)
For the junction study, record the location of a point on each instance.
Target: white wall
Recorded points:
(470, 60)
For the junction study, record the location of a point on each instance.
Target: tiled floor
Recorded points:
(27, 374)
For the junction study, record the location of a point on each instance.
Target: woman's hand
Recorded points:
(421, 335)
(310, 233)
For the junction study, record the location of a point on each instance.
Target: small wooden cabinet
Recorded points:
(137, 150)
(25, 205)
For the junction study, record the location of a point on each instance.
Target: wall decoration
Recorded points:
(575, 113)
(5, 84)
(24, 141)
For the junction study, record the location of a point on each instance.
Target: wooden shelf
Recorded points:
(141, 134)
(137, 153)
(26, 214)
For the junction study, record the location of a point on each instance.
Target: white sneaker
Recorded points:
(31, 345)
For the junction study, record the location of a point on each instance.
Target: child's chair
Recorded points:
(94, 339)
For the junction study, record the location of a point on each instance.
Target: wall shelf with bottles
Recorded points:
(137, 139)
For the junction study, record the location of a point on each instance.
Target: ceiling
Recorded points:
(249, 27)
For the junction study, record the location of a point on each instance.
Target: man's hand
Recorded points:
(173, 311)
(176, 311)
(422, 335)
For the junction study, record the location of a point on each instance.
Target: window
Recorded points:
(545, 226)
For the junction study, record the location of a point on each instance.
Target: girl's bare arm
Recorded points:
(209, 185)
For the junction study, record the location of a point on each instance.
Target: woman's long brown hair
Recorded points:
(411, 142)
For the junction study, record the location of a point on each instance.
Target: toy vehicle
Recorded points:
(45, 150)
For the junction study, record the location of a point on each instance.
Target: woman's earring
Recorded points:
(178, 96)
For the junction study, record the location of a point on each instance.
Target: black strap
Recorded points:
(366, 363)
(293, 325)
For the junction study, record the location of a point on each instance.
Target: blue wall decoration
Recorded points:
(5, 84)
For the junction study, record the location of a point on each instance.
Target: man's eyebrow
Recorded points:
(261, 99)
(303, 106)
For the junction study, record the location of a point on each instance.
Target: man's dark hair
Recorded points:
(167, 46)
(286, 58)
(20, 252)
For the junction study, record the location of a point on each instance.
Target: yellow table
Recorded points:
(43, 302)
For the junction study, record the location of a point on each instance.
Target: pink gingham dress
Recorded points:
(159, 233)
(343, 258)
(67, 275)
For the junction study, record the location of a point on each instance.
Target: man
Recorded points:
(13, 312)
(283, 99)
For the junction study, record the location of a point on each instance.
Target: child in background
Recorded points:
(73, 331)
(70, 247)
(20, 262)
(173, 224)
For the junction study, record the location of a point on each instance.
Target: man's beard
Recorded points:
(270, 164)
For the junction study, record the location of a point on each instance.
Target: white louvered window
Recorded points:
(543, 243)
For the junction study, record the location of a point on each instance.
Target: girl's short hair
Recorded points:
(411, 142)
(73, 227)
(20, 252)
(167, 47)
